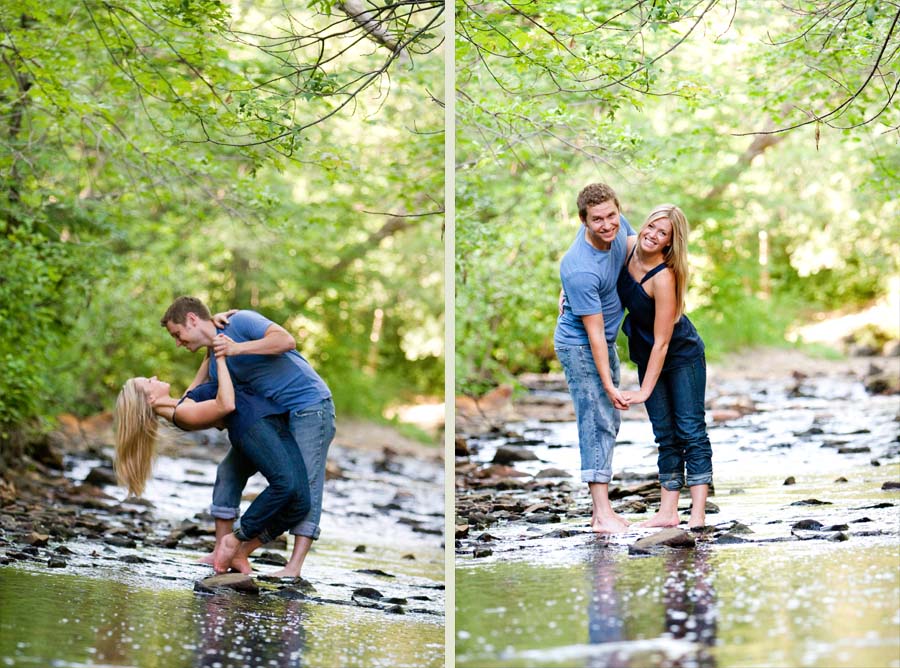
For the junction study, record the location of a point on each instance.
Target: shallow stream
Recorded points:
(562, 596)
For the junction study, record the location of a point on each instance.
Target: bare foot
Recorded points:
(241, 564)
(226, 552)
(660, 520)
(208, 559)
(695, 522)
(607, 525)
(286, 572)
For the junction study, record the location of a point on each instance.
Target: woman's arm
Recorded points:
(593, 324)
(201, 414)
(202, 374)
(663, 325)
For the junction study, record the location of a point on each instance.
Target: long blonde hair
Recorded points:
(136, 429)
(676, 254)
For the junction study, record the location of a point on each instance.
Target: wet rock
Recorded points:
(290, 594)
(236, 581)
(883, 504)
(100, 476)
(562, 533)
(875, 462)
(730, 539)
(359, 548)
(807, 525)
(133, 559)
(711, 508)
(671, 537)
(374, 571)
(500, 471)
(739, 528)
(367, 592)
(811, 502)
(812, 431)
(790, 480)
(272, 559)
(839, 537)
(552, 473)
(635, 507)
(842, 479)
(37, 539)
(56, 562)
(409, 557)
(862, 520)
(533, 508)
(462, 447)
(462, 530)
(891, 484)
(62, 549)
(508, 455)
(482, 552)
(848, 450)
(836, 527)
(119, 541)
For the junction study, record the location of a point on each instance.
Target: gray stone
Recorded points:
(236, 581)
(671, 537)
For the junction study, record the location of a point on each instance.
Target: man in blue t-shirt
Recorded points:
(262, 355)
(585, 340)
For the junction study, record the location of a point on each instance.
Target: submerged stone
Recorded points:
(811, 502)
(807, 525)
(482, 552)
(891, 484)
(57, 562)
(790, 480)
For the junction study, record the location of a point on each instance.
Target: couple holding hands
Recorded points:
(607, 270)
(280, 421)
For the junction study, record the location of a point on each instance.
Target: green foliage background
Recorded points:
(164, 148)
(660, 99)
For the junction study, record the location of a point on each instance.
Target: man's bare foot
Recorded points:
(225, 553)
(608, 525)
(208, 559)
(661, 520)
(286, 572)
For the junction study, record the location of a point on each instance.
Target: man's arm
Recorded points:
(593, 324)
(276, 340)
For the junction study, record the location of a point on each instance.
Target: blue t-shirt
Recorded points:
(286, 378)
(248, 408)
(588, 279)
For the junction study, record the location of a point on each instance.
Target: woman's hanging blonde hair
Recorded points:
(136, 428)
(676, 254)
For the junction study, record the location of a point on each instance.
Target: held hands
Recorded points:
(633, 398)
(223, 346)
(221, 319)
(618, 401)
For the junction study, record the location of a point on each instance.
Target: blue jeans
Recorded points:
(268, 445)
(598, 421)
(313, 431)
(679, 424)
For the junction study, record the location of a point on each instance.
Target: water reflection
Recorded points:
(234, 633)
(617, 615)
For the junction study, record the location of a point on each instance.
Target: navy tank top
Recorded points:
(249, 407)
(684, 347)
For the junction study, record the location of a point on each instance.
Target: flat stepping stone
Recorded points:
(671, 537)
(236, 581)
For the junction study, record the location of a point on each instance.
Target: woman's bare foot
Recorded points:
(698, 520)
(612, 524)
(208, 559)
(661, 520)
(225, 554)
(241, 564)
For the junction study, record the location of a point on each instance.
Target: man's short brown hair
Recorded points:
(593, 194)
(177, 312)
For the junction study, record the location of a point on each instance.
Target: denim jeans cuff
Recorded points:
(224, 512)
(671, 481)
(240, 535)
(596, 475)
(307, 529)
(700, 479)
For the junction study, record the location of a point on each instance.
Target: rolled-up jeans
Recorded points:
(676, 411)
(270, 447)
(313, 430)
(598, 421)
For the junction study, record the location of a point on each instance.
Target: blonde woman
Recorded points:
(671, 361)
(257, 427)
